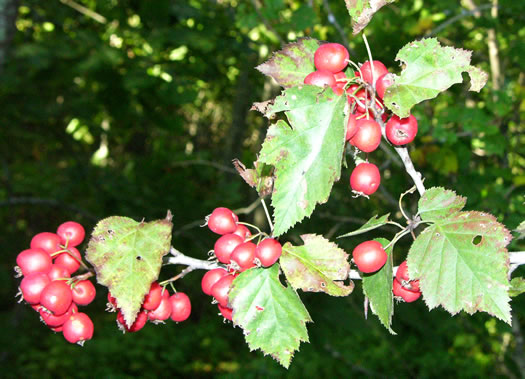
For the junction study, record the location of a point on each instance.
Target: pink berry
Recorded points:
(71, 233)
(222, 221)
(180, 306)
(225, 245)
(332, 57)
(210, 278)
(83, 292)
(56, 297)
(78, 328)
(49, 242)
(34, 260)
(153, 297)
(32, 286)
(268, 252)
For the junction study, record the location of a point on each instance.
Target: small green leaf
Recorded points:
(517, 287)
(260, 177)
(307, 155)
(127, 257)
(362, 11)
(317, 266)
(521, 230)
(290, 65)
(462, 264)
(429, 69)
(439, 203)
(371, 224)
(378, 288)
(272, 316)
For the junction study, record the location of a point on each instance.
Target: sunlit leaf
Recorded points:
(517, 287)
(362, 11)
(374, 223)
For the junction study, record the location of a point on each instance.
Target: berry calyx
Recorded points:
(243, 256)
(403, 293)
(180, 306)
(379, 70)
(320, 78)
(368, 135)
(49, 242)
(221, 289)
(56, 297)
(83, 292)
(401, 131)
(78, 328)
(332, 57)
(268, 251)
(71, 233)
(365, 178)
(34, 260)
(225, 245)
(222, 221)
(210, 278)
(369, 256)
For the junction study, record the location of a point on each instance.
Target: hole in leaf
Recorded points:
(477, 240)
(139, 258)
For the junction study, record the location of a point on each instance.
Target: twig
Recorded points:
(409, 167)
(267, 215)
(85, 11)
(178, 258)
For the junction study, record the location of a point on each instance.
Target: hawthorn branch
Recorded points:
(178, 258)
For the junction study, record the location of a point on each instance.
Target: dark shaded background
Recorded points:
(135, 107)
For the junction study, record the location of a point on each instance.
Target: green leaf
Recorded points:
(517, 287)
(290, 65)
(438, 203)
(317, 266)
(307, 155)
(521, 230)
(272, 316)
(462, 264)
(362, 11)
(378, 288)
(127, 257)
(428, 70)
(260, 177)
(371, 224)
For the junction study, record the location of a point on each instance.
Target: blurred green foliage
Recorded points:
(143, 110)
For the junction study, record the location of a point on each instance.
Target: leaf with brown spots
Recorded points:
(272, 317)
(306, 153)
(429, 69)
(127, 257)
(462, 263)
(362, 11)
(438, 203)
(317, 266)
(292, 64)
(260, 177)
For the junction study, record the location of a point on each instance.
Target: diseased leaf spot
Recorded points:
(477, 240)
(139, 258)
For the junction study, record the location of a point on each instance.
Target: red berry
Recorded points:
(351, 127)
(153, 297)
(112, 300)
(227, 313)
(340, 79)
(379, 70)
(71, 233)
(163, 311)
(369, 256)
(34, 260)
(268, 252)
(67, 261)
(368, 136)
(383, 83)
(221, 289)
(242, 231)
(225, 245)
(180, 306)
(58, 272)
(83, 292)
(49, 242)
(320, 79)
(210, 278)
(32, 286)
(53, 321)
(332, 57)
(401, 131)
(222, 221)
(399, 291)
(403, 278)
(138, 324)
(78, 328)
(365, 178)
(364, 100)
(56, 297)
(243, 256)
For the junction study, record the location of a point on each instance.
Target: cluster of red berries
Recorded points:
(403, 287)
(364, 91)
(157, 307)
(236, 250)
(47, 285)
